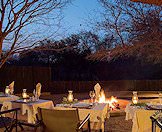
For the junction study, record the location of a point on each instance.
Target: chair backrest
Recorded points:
(60, 120)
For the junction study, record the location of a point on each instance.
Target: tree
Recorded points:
(135, 26)
(18, 22)
(53, 50)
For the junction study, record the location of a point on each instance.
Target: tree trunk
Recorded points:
(1, 61)
(1, 42)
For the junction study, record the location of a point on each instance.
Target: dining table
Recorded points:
(28, 109)
(140, 115)
(4, 98)
(98, 112)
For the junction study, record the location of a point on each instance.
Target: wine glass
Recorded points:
(34, 93)
(92, 95)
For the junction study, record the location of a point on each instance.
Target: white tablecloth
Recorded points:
(8, 98)
(29, 108)
(98, 113)
(140, 118)
(130, 110)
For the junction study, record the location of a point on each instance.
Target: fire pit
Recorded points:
(117, 106)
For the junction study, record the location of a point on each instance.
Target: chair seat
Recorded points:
(5, 121)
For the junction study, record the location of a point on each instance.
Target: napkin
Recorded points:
(11, 87)
(38, 89)
(97, 89)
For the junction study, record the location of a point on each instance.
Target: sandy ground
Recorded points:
(115, 123)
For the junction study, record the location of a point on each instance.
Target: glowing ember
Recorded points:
(112, 102)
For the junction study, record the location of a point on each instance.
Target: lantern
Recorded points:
(7, 90)
(70, 96)
(135, 97)
(24, 94)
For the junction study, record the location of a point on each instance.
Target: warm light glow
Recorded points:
(70, 96)
(24, 95)
(134, 97)
(135, 100)
(102, 98)
(110, 101)
(113, 99)
(7, 90)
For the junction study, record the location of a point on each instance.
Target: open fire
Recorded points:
(113, 102)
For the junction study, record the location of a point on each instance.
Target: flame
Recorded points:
(111, 101)
(102, 98)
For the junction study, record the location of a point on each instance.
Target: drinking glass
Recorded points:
(92, 95)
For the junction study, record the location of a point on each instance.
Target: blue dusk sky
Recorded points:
(77, 13)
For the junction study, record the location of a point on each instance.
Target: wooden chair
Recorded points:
(8, 123)
(63, 120)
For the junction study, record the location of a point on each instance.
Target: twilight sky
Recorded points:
(76, 14)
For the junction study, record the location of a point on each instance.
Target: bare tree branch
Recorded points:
(18, 15)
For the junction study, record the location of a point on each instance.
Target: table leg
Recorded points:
(30, 116)
(102, 127)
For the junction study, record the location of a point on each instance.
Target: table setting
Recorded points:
(27, 104)
(136, 104)
(98, 111)
(8, 94)
(139, 111)
(27, 99)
